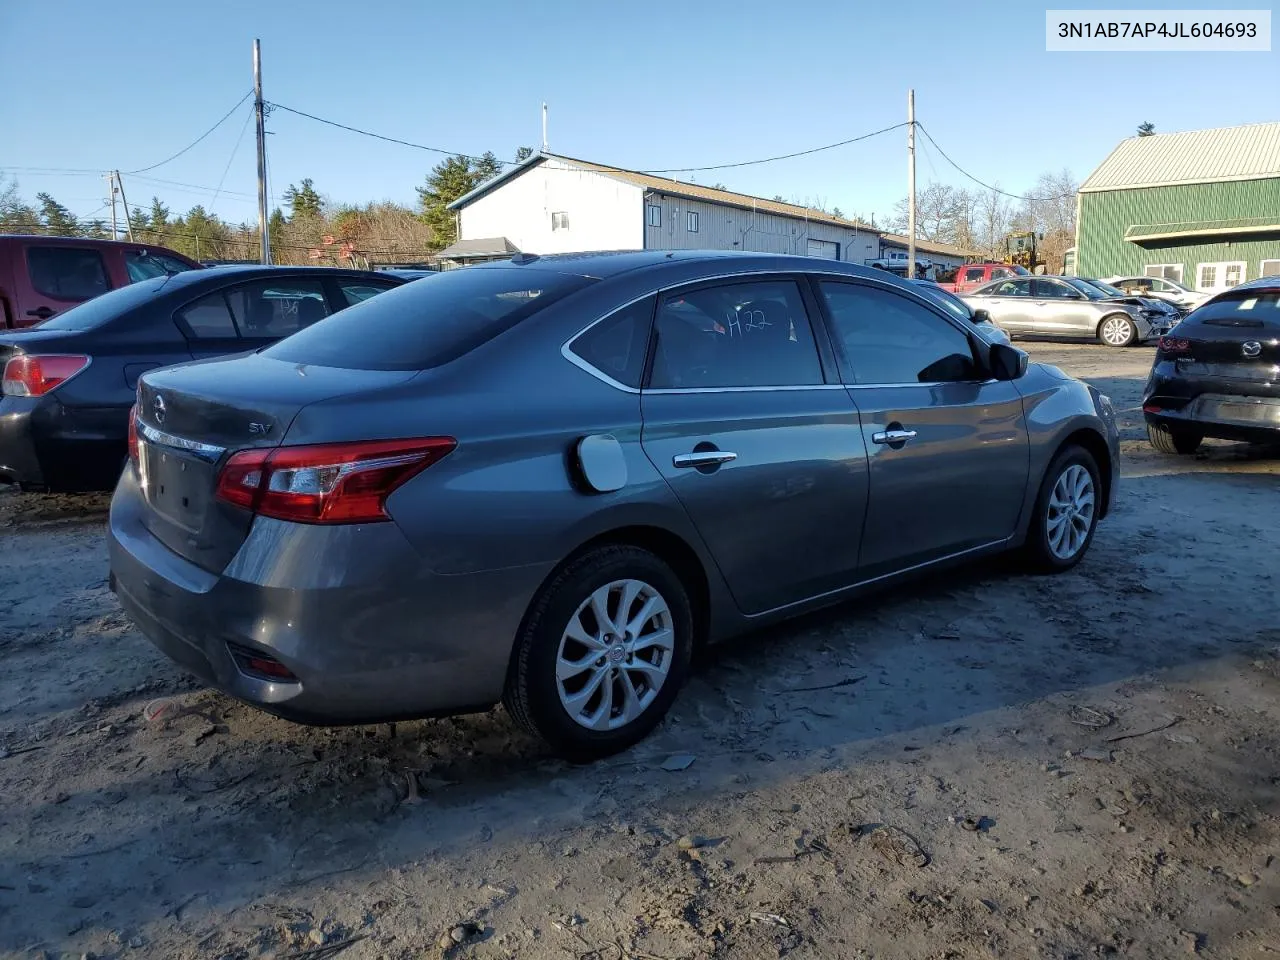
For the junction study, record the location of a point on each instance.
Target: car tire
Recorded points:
(1117, 330)
(1072, 474)
(1169, 440)
(567, 707)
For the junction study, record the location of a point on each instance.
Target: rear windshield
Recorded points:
(1245, 309)
(427, 323)
(107, 306)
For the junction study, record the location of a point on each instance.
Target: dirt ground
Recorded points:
(984, 764)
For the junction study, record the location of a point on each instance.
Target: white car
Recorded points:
(1160, 288)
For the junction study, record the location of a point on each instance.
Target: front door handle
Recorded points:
(703, 458)
(893, 436)
(44, 313)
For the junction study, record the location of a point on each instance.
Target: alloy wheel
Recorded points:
(1071, 510)
(1116, 331)
(615, 655)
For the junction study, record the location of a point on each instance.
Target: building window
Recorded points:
(1235, 273)
(1208, 274)
(655, 215)
(560, 221)
(1269, 268)
(693, 221)
(1212, 277)
(1166, 271)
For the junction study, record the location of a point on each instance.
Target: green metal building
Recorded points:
(1200, 207)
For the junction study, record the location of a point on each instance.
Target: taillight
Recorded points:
(133, 434)
(34, 376)
(1174, 345)
(327, 483)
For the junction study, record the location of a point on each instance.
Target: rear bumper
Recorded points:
(369, 634)
(1218, 408)
(44, 443)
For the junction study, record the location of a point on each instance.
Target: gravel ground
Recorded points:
(994, 765)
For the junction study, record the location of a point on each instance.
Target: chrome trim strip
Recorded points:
(662, 391)
(161, 438)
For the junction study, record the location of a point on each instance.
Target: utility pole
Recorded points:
(128, 220)
(111, 185)
(544, 126)
(911, 184)
(264, 236)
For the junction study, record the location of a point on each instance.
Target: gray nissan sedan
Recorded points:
(547, 481)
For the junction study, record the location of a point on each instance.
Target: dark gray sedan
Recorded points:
(547, 481)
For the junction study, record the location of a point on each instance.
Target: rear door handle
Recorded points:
(893, 436)
(703, 458)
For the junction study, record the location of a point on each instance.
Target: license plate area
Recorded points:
(177, 485)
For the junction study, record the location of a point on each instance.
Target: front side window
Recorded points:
(753, 334)
(208, 318)
(358, 291)
(148, 264)
(616, 345)
(884, 338)
(1053, 290)
(67, 273)
(271, 309)
(973, 275)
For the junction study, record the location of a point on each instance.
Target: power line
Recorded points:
(227, 168)
(512, 163)
(196, 140)
(981, 183)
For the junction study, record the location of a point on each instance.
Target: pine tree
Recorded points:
(486, 168)
(303, 201)
(523, 154)
(448, 180)
(1146, 129)
(58, 220)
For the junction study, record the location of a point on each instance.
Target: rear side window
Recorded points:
(1239, 310)
(973, 274)
(428, 323)
(209, 317)
(616, 346)
(67, 273)
(754, 334)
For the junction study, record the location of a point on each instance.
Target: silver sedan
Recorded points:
(1067, 307)
(548, 481)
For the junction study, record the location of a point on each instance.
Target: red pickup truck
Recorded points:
(971, 276)
(43, 276)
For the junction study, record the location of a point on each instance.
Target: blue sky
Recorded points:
(96, 86)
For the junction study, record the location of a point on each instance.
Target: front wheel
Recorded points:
(1117, 330)
(1066, 512)
(1167, 440)
(602, 654)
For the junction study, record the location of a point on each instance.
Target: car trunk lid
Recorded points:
(191, 418)
(1230, 338)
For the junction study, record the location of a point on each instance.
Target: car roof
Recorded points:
(251, 271)
(601, 265)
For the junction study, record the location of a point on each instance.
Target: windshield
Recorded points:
(1085, 287)
(107, 306)
(427, 323)
(1108, 289)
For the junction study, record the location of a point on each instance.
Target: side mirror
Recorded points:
(981, 316)
(1006, 362)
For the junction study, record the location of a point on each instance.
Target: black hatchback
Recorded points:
(1217, 373)
(69, 382)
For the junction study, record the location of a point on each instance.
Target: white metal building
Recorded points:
(554, 204)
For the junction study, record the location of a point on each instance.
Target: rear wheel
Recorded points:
(1066, 512)
(1171, 440)
(603, 653)
(1117, 330)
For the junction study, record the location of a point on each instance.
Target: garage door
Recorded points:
(824, 248)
